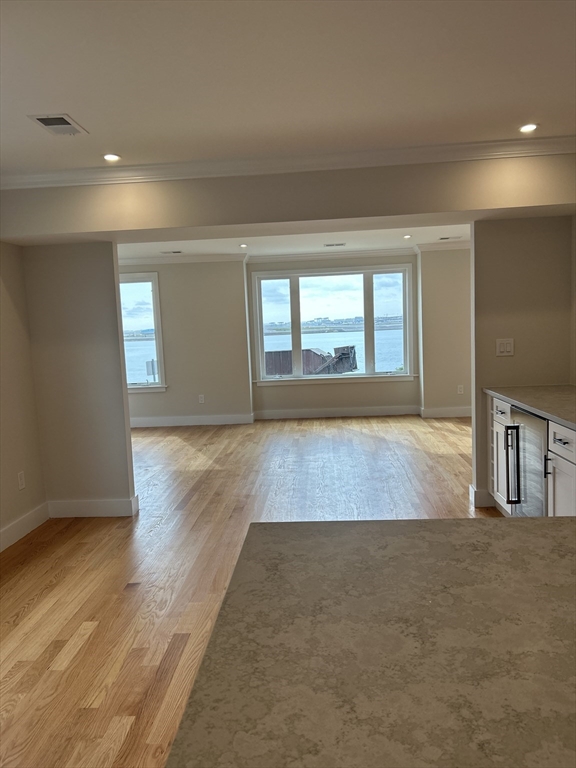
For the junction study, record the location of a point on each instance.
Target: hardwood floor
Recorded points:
(104, 621)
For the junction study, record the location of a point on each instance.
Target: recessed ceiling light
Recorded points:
(528, 128)
(243, 245)
(407, 237)
(111, 158)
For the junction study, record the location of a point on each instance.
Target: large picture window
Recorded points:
(142, 330)
(333, 323)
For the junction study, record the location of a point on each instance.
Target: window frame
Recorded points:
(368, 274)
(147, 277)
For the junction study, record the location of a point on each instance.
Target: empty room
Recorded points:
(288, 384)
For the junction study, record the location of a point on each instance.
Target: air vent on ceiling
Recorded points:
(58, 125)
(457, 237)
(169, 253)
(333, 245)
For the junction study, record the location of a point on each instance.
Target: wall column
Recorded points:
(79, 374)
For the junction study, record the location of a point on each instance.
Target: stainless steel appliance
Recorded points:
(526, 440)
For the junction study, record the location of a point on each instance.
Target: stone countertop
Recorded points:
(391, 644)
(556, 403)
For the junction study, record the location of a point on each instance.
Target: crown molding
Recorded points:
(127, 261)
(449, 245)
(176, 258)
(267, 259)
(436, 153)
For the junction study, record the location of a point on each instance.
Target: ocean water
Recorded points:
(388, 349)
(137, 353)
(388, 346)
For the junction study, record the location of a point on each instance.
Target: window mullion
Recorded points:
(369, 354)
(296, 326)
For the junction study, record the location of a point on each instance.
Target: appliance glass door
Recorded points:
(532, 445)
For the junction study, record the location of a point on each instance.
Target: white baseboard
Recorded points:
(191, 421)
(501, 509)
(480, 497)
(15, 531)
(446, 413)
(326, 413)
(93, 507)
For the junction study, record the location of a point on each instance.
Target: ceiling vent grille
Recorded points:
(58, 125)
(333, 245)
(456, 237)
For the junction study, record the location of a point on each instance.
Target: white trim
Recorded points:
(199, 169)
(22, 526)
(179, 258)
(446, 413)
(480, 497)
(191, 421)
(445, 245)
(371, 254)
(148, 277)
(294, 276)
(326, 413)
(501, 509)
(148, 390)
(94, 507)
(353, 378)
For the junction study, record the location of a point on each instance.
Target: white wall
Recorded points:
(522, 288)
(33, 215)
(20, 510)
(446, 352)
(205, 342)
(206, 348)
(573, 321)
(78, 366)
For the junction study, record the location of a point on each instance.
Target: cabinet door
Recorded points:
(499, 458)
(561, 487)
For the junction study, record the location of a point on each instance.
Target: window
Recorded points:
(142, 330)
(334, 323)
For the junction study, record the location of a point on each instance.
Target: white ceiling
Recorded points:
(168, 82)
(275, 246)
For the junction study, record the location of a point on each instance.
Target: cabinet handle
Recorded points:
(559, 441)
(546, 460)
(499, 412)
(512, 448)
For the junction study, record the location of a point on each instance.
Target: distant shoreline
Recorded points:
(324, 329)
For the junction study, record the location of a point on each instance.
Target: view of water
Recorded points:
(137, 353)
(389, 350)
(388, 346)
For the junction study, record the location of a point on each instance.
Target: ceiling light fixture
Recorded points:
(528, 128)
(243, 245)
(407, 237)
(111, 158)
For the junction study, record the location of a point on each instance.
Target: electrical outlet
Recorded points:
(460, 389)
(200, 398)
(21, 481)
(504, 347)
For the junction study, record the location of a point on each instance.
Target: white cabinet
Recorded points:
(499, 465)
(562, 477)
(561, 487)
(500, 417)
(560, 463)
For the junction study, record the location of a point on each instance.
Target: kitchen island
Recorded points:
(391, 644)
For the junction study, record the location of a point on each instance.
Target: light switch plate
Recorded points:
(504, 347)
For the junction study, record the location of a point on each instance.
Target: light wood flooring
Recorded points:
(104, 621)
